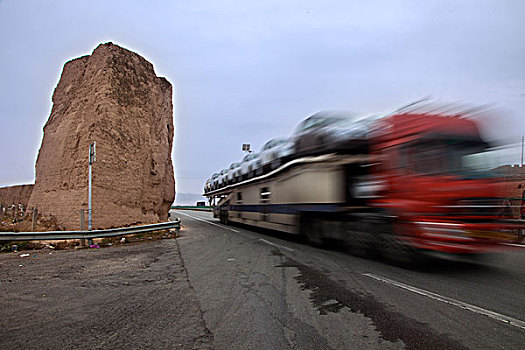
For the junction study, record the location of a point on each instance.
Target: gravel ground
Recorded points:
(131, 296)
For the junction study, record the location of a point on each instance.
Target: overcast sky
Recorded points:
(248, 71)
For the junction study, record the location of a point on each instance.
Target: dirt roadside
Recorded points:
(127, 296)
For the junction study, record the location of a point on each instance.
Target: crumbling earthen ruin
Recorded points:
(112, 97)
(14, 195)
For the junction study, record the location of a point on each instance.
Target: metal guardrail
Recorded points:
(191, 207)
(57, 235)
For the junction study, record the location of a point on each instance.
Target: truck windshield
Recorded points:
(442, 157)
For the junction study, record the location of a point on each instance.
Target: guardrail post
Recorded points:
(82, 225)
(177, 228)
(33, 220)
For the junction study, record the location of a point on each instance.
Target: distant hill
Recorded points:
(188, 198)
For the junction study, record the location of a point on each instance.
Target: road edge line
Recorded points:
(494, 315)
(211, 223)
(277, 245)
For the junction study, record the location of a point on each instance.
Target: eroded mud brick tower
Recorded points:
(112, 97)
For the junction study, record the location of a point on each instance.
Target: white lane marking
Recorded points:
(277, 245)
(211, 223)
(503, 318)
(515, 245)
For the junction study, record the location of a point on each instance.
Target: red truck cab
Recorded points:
(442, 197)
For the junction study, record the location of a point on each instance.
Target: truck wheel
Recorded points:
(314, 231)
(394, 249)
(520, 234)
(359, 240)
(223, 217)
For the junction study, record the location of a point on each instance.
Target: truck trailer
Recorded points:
(419, 186)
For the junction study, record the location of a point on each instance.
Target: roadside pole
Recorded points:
(34, 219)
(522, 140)
(92, 158)
(82, 225)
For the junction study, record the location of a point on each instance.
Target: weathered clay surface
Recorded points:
(15, 195)
(512, 187)
(112, 97)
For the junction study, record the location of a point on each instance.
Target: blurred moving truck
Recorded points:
(414, 183)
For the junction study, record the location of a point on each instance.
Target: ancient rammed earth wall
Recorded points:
(15, 195)
(112, 97)
(513, 186)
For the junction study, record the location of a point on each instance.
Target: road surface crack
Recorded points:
(331, 296)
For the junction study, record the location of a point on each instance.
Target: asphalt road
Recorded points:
(133, 296)
(262, 291)
(229, 287)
